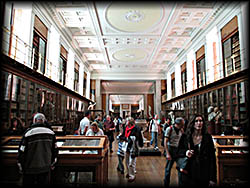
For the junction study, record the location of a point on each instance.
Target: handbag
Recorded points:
(184, 163)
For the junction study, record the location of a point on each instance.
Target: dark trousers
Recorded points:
(120, 163)
(169, 165)
(110, 137)
(36, 179)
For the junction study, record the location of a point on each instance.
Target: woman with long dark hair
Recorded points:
(201, 168)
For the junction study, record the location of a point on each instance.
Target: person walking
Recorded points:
(133, 135)
(172, 137)
(37, 153)
(122, 147)
(154, 129)
(201, 167)
(109, 128)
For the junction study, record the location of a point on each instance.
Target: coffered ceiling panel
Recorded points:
(117, 36)
(135, 40)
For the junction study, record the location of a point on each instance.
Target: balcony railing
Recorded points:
(20, 51)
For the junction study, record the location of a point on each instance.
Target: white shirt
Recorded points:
(154, 126)
(90, 132)
(83, 123)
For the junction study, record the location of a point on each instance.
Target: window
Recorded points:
(173, 84)
(201, 67)
(39, 46)
(163, 90)
(62, 65)
(231, 47)
(184, 78)
(231, 52)
(76, 77)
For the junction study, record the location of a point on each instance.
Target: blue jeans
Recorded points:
(154, 136)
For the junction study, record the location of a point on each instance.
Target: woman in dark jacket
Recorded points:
(201, 168)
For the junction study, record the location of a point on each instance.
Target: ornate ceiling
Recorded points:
(124, 41)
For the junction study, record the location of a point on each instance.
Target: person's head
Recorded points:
(39, 118)
(99, 117)
(156, 116)
(197, 123)
(168, 120)
(94, 127)
(108, 118)
(87, 114)
(130, 121)
(179, 122)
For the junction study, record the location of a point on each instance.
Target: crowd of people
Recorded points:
(186, 143)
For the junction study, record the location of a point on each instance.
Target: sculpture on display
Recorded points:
(150, 112)
(91, 105)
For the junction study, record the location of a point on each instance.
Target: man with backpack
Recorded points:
(173, 135)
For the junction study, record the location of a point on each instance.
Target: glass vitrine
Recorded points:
(87, 156)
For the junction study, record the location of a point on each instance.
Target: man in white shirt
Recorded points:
(154, 129)
(84, 124)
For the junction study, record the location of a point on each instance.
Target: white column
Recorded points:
(98, 94)
(88, 86)
(169, 93)
(81, 75)
(191, 71)
(53, 54)
(243, 35)
(212, 56)
(70, 70)
(23, 14)
(157, 103)
(178, 89)
(107, 103)
(145, 98)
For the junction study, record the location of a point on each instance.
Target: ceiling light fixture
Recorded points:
(134, 16)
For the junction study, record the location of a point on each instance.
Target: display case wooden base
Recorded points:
(81, 159)
(232, 155)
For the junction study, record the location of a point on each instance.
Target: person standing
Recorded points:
(17, 127)
(173, 135)
(37, 153)
(133, 135)
(109, 128)
(154, 129)
(98, 119)
(165, 125)
(201, 169)
(84, 124)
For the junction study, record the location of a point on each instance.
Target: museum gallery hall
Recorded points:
(123, 69)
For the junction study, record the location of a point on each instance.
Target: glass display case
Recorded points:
(232, 160)
(76, 155)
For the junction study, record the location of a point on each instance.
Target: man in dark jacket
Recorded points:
(37, 153)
